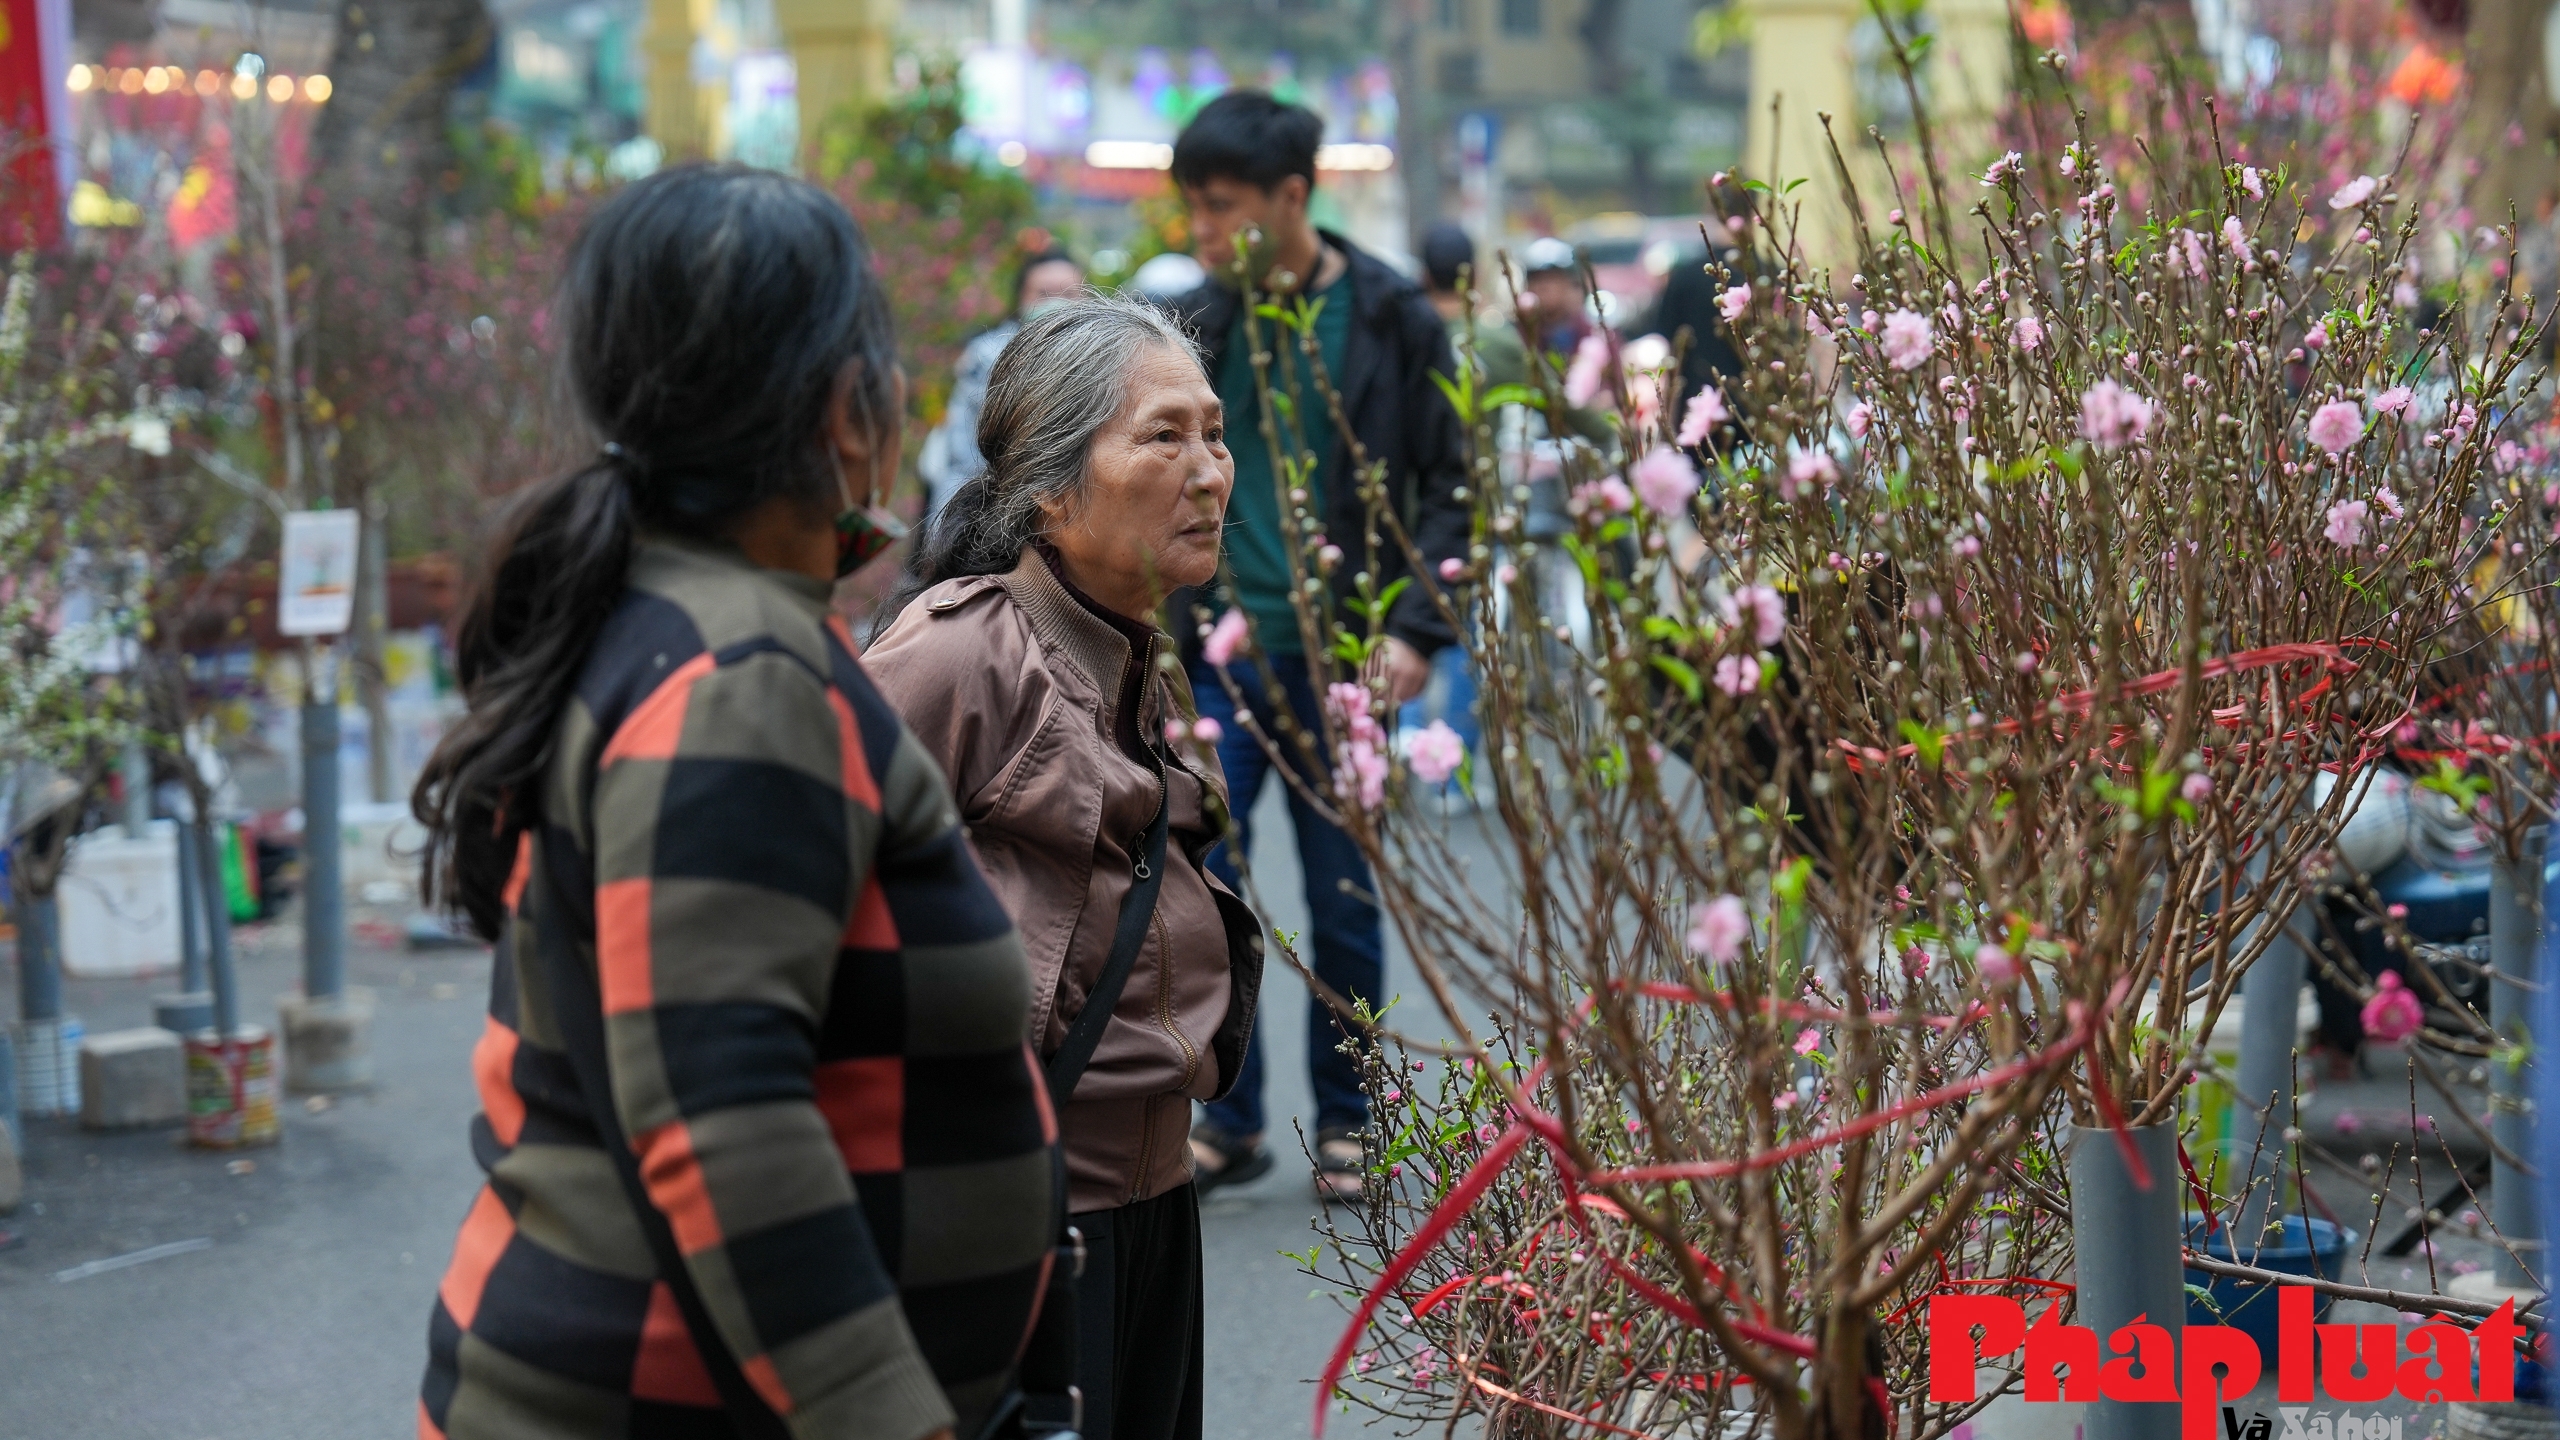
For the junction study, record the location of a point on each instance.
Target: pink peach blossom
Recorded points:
(1706, 411)
(2354, 193)
(2337, 425)
(2393, 400)
(1589, 371)
(1862, 417)
(1808, 470)
(1436, 753)
(1997, 967)
(1766, 609)
(2346, 524)
(2112, 417)
(2394, 1013)
(2235, 238)
(1224, 639)
(1738, 674)
(2030, 332)
(1664, 480)
(1734, 301)
(1718, 928)
(1908, 339)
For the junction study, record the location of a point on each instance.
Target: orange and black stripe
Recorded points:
(814, 1010)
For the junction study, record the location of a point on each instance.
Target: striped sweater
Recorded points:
(814, 1012)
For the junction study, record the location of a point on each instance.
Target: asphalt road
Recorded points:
(305, 1316)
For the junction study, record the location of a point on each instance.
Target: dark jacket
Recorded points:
(1396, 410)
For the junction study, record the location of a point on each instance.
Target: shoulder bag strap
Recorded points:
(577, 1007)
(1137, 911)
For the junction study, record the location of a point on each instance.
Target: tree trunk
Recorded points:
(2512, 121)
(382, 151)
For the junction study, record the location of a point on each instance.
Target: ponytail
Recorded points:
(554, 575)
(959, 540)
(710, 315)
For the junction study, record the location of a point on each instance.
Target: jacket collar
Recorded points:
(1098, 651)
(807, 591)
(1210, 310)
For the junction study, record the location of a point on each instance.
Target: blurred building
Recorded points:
(1540, 114)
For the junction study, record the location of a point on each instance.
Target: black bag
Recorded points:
(1051, 1405)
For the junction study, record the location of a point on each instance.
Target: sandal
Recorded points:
(1342, 1165)
(1238, 1162)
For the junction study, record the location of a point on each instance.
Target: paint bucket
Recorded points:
(2246, 1305)
(231, 1088)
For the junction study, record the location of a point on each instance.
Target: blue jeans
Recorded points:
(1347, 937)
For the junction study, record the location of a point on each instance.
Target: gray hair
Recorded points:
(1058, 382)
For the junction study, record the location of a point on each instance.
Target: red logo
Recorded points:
(2357, 1363)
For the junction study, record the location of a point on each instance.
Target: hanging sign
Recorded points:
(316, 595)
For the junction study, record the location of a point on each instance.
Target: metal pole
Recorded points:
(324, 900)
(2129, 1263)
(2515, 953)
(217, 931)
(135, 771)
(191, 906)
(39, 958)
(2262, 1087)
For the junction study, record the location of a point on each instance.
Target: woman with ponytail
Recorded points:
(767, 1153)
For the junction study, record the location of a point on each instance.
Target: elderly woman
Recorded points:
(1027, 660)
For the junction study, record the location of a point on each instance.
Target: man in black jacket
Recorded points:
(1246, 165)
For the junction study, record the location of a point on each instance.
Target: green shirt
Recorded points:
(1257, 546)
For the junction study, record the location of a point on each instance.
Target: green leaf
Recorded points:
(1682, 673)
(1930, 744)
(1515, 394)
(1460, 396)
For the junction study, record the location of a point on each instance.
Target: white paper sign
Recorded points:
(317, 593)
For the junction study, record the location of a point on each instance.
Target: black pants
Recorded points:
(1138, 1319)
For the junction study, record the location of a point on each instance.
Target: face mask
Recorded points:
(863, 532)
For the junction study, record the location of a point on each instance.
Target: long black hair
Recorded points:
(708, 315)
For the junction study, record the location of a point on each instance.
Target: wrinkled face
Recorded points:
(1156, 486)
(1222, 209)
(1050, 281)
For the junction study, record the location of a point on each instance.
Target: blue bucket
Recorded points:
(2246, 1305)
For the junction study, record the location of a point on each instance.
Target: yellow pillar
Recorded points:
(681, 117)
(1802, 66)
(1971, 79)
(841, 50)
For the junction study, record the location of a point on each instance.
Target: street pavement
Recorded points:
(305, 1317)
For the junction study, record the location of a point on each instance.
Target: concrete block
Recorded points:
(13, 1183)
(132, 1078)
(328, 1044)
(183, 1013)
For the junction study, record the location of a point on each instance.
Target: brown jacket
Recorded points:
(1018, 690)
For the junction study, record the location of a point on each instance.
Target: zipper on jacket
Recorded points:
(1138, 869)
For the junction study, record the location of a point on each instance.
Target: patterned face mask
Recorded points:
(863, 534)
